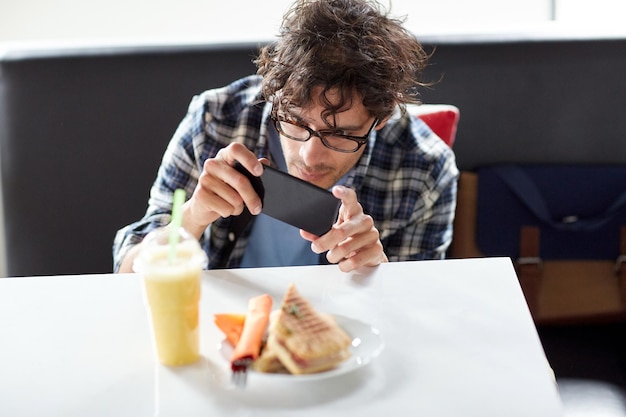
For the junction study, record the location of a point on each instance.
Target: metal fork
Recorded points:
(240, 371)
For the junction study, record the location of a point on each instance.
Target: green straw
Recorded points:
(177, 221)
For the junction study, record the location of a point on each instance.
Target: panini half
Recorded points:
(303, 340)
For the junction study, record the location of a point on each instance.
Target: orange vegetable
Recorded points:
(257, 318)
(231, 325)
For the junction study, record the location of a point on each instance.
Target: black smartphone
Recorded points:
(294, 201)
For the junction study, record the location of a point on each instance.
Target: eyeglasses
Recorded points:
(331, 138)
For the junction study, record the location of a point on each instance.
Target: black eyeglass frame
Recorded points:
(359, 140)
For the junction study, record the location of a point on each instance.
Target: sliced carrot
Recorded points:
(231, 325)
(254, 327)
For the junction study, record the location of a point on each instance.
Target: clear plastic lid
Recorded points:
(161, 249)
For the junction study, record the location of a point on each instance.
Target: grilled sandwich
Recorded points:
(303, 340)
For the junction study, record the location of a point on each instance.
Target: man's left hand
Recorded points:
(353, 240)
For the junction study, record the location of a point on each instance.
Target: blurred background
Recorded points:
(253, 20)
(42, 23)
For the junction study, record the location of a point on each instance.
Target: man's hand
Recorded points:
(222, 191)
(353, 241)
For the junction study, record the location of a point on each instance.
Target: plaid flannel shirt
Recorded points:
(406, 178)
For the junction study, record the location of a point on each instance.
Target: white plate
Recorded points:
(366, 345)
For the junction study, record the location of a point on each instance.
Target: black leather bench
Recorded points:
(82, 129)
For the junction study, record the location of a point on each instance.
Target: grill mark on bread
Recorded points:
(302, 339)
(314, 335)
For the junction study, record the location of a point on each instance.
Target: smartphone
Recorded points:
(294, 201)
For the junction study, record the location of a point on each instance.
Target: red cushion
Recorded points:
(441, 118)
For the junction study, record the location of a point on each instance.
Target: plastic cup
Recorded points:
(172, 281)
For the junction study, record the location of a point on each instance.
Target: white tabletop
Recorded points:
(459, 341)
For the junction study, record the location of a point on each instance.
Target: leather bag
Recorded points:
(564, 226)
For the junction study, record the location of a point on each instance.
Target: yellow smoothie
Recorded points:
(173, 295)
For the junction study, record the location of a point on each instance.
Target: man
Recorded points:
(326, 105)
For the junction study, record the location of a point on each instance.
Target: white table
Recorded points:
(459, 341)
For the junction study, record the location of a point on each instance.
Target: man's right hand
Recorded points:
(222, 191)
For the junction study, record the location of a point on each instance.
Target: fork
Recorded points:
(240, 371)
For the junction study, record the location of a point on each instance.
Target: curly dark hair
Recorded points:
(348, 45)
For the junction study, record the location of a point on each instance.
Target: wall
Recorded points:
(251, 19)
(223, 20)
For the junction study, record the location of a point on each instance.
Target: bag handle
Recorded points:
(524, 188)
